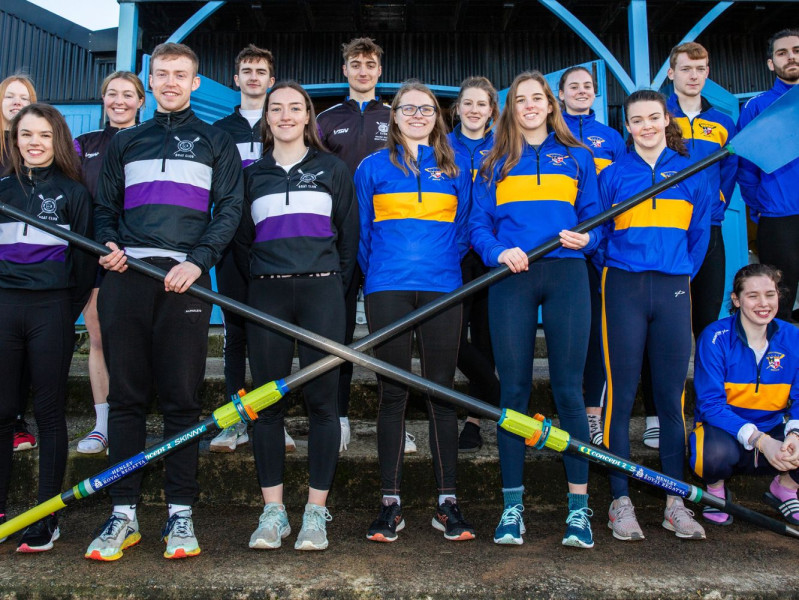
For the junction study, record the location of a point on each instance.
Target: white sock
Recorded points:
(101, 424)
(176, 508)
(344, 420)
(442, 498)
(388, 498)
(652, 422)
(129, 510)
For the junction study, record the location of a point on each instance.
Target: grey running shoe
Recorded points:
(230, 438)
(273, 528)
(621, 519)
(118, 533)
(681, 521)
(313, 534)
(179, 536)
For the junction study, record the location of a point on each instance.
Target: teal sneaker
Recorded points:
(578, 529)
(179, 536)
(511, 526)
(273, 528)
(313, 534)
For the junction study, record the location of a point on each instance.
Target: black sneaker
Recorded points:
(450, 520)
(40, 536)
(2, 520)
(385, 527)
(470, 439)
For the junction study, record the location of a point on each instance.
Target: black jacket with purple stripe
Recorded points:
(31, 259)
(171, 183)
(91, 147)
(300, 222)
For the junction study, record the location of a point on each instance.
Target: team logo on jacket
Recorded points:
(435, 173)
(774, 361)
(186, 147)
(667, 174)
(484, 152)
(557, 159)
(382, 132)
(340, 131)
(596, 141)
(308, 180)
(49, 207)
(707, 129)
(92, 155)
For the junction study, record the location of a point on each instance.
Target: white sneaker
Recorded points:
(651, 436)
(230, 438)
(410, 443)
(291, 446)
(346, 434)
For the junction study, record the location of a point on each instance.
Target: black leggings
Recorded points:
(316, 304)
(475, 358)
(778, 245)
(437, 339)
(36, 328)
(153, 338)
(345, 370)
(707, 288)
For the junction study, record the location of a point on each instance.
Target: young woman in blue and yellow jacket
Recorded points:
(477, 109)
(577, 92)
(650, 253)
(746, 374)
(413, 199)
(536, 183)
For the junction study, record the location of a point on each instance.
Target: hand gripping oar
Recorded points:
(748, 144)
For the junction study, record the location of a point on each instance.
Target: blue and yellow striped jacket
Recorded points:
(550, 189)
(605, 143)
(668, 233)
(733, 390)
(413, 226)
(706, 133)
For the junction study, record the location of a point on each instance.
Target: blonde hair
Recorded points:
(5, 126)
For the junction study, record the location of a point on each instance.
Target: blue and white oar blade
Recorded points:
(771, 140)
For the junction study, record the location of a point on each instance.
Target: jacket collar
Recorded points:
(673, 104)
(174, 119)
(771, 329)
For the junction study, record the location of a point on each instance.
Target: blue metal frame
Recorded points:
(593, 42)
(127, 36)
(638, 31)
(182, 32)
(700, 26)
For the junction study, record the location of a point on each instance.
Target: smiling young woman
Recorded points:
(650, 253)
(537, 182)
(746, 372)
(44, 284)
(297, 242)
(413, 198)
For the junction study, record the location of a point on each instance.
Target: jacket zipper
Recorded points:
(166, 141)
(581, 128)
(418, 163)
(538, 163)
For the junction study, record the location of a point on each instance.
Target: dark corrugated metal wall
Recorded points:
(63, 72)
(447, 58)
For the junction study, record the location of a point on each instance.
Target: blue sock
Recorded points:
(512, 496)
(578, 501)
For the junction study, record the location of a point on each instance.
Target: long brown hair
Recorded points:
(674, 139)
(310, 135)
(24, 80)
(480, 83)
(445, 155)
(508, 139)
(64, 156)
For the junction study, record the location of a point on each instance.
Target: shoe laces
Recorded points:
(179, 525)
(580, 518)
(680, 514)
(512, 515)
(315, 518)
(113, 526)
(410, 437)
(624, 511)
(272, 514)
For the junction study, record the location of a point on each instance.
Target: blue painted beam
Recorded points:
(182, 32)
(127, 36)
(639, 43)
(316, 90)
(697, 29)
(593, 42)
